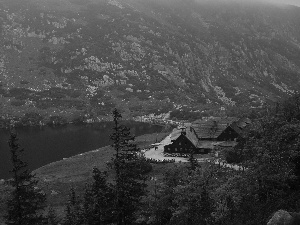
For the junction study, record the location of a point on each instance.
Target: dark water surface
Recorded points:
(44, 145)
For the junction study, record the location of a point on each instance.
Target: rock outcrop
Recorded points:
(283, 217)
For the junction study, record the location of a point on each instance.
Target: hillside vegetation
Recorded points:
(61, 60)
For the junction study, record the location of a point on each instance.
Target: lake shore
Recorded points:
(47, 144)
(56, 178)
(79, 167)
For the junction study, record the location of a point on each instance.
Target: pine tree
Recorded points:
(88, 205)
(97, 207)
(51, 217)
(73, 210)
(27, 202)
(129, 180)
(193, 161)
(103, 197)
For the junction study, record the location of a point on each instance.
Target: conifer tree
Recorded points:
(193, 161)
(129, 185)
(27, 202)
(51, 217)
(73, 210)
(88, 205)
(97, 207)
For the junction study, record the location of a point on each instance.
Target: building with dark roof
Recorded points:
(231, 133)
(202, 134)
(185, 143)
(211, 128)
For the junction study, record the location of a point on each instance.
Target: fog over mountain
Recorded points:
(278, 2)
(286, 2)
(66, 58)
(282, 2)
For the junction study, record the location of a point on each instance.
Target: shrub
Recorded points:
(233, 156)
(18, 102)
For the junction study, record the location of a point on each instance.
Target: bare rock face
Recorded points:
(283, 217)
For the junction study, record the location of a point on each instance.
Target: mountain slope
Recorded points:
(72, 57)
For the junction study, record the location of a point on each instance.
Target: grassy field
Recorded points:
(79, 168)
(57, 178)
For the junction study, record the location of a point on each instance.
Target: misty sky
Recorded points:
(290, 2)
(284, 2)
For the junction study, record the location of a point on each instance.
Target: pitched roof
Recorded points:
(190, 135)
(212, 127)
(193, 138)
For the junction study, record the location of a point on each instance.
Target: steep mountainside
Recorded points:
(72, 57)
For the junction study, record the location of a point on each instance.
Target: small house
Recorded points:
(185, 143)
(211, 128)
(219, 128)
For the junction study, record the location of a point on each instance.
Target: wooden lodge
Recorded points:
(210, 129)
(206, 132)
(220, 129)
(235, 130)
(185, 143)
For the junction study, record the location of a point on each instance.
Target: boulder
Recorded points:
(282, 217)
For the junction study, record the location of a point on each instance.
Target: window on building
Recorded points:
(179, 143)
(175, 149)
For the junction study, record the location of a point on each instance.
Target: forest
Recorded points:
(188, 193)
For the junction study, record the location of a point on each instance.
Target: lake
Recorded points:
(46, 144)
